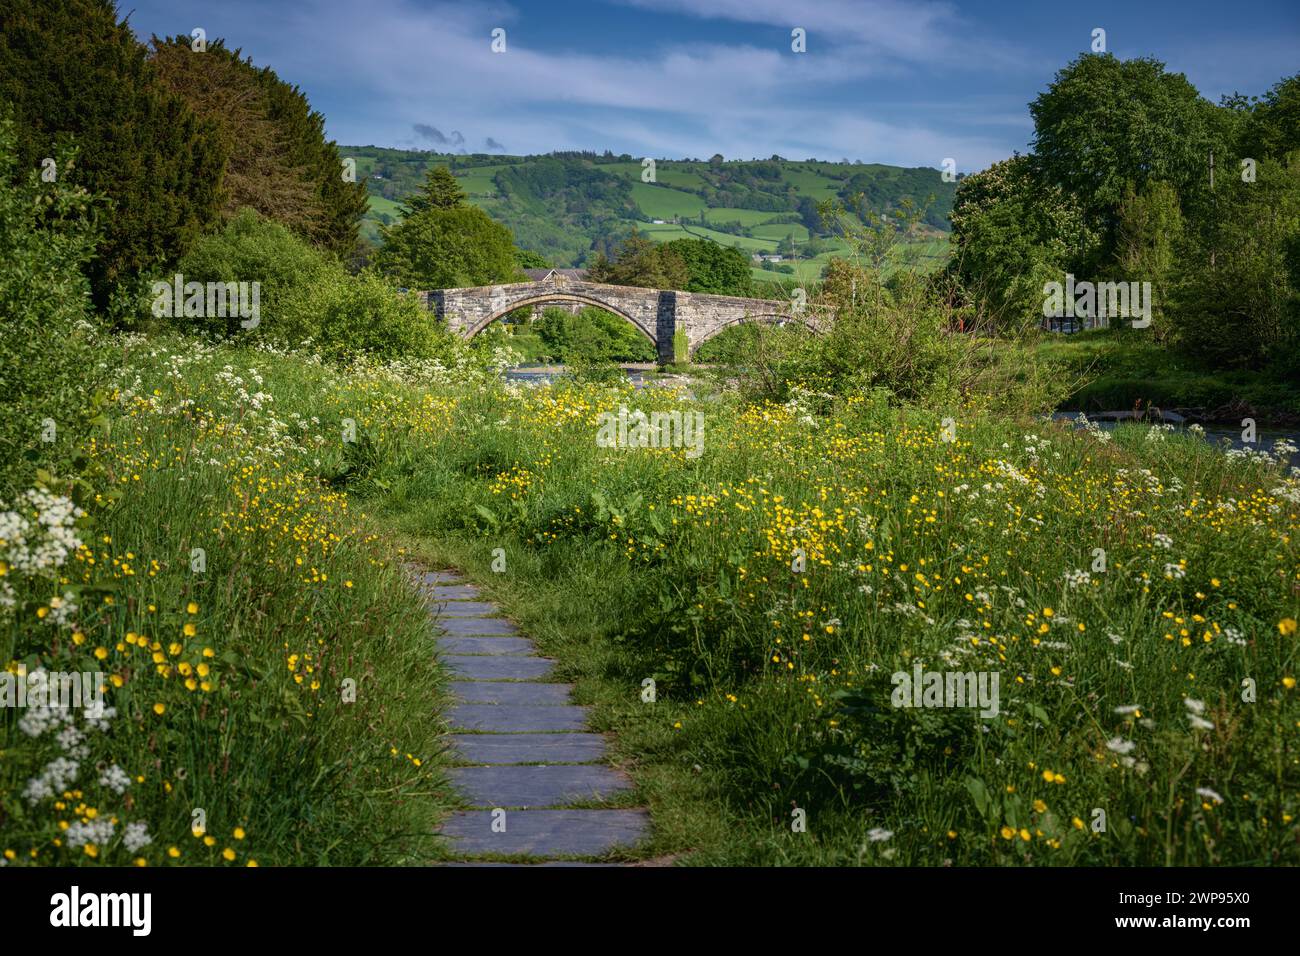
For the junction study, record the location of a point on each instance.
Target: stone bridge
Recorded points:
(656, 313)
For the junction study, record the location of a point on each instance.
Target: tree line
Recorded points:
(1134, 176)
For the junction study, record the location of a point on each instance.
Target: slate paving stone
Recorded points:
(516, 719)
(440, 577)
(485, 645)
(465, 609)
(476, 625)
(523, 746)
(537, 786)
(452, 592)
(498, 667)
(504, 692)
(547, 832)
(528, 748)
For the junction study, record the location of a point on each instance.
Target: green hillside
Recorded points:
(567, 207)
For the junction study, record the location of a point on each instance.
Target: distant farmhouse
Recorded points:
(551, 275)
(546, 275)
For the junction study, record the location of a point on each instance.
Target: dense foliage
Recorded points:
(48, 232)
(307, 300)
(445, 243)
(1135, 177)
(279, 160)
(73, 73)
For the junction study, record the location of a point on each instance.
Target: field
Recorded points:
(663, 202)
(772, 586)
(564, 227)
(779, 230)
(769, 587)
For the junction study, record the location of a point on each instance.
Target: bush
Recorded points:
(365, 314)
(306, 298)
(252, 249)
(46, 348)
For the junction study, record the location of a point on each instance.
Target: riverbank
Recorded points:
(1128, 371)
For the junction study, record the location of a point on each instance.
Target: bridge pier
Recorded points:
(666, 324)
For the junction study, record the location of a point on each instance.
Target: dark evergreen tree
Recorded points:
(74, 73)
(440, 191)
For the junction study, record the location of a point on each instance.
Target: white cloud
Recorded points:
(393, 64)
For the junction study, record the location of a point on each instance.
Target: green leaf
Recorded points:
(980, 794)
(1038, 714)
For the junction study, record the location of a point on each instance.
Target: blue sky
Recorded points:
(908, 82)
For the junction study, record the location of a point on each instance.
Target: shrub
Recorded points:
(48, 330)
(252, 249)
(306, 298)
(364, 313)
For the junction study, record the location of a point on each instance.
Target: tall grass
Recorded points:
(770, 588)
(268, 671)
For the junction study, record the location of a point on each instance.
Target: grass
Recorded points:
(664, 202)
(378, 204)
(779, 230)
(271, 669)
(478, 180)
(813, 184)
(769, 587)
(666, 173)
(746, 217)
(772, 682)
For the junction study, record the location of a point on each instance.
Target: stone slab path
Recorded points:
(526, 761)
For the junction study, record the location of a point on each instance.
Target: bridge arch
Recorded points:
(773, 318)
(550, 297)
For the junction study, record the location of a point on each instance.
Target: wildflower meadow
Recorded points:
(365, 506)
